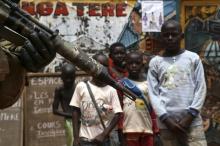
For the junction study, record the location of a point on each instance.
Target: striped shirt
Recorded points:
(176, 84)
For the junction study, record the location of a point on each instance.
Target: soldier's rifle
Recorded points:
(17, 23)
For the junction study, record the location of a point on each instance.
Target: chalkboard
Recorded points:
(42, 127)
(11, 125)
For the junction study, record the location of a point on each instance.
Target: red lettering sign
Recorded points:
(79, 8)
(120, 8)
(108, 9)
(94, 9)
(44, 8)
(61, 9)
(29, 7)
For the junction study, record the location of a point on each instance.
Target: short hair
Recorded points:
(135, 52)
(95, 57)
(171, 21)
(68, 67)
(114, 45)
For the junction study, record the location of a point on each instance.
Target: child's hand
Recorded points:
(76, 142)
(107, 107)
(157, 140)
(174, 126)
(99, 138)
(177, 130)
(186, 121)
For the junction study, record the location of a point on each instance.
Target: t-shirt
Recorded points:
(107, 100)
(136, 115)
(176, 84)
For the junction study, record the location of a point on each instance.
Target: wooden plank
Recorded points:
(42, 127)
(11, 125)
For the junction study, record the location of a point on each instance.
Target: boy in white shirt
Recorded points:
(91, 131)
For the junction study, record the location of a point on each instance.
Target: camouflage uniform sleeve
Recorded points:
(12, 75)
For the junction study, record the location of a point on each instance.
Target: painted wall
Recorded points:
(90, 25)
(201, 22)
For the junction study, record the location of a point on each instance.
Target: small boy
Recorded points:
(63, 96)
(117, 71)
(116, 68)
(138, 125)
(103, 59)
(91, 131)
(177, 90)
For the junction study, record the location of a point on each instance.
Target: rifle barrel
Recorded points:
(22, 25)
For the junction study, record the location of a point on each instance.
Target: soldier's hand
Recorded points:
(37, 52)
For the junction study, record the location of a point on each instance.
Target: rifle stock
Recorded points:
(21, 22)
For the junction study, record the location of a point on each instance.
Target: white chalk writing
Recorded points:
(45, 81)
(9, 116)
(50, 133)
(46, 125)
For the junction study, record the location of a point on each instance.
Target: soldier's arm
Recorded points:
(36, 53)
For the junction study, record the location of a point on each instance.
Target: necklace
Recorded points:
(174, 59)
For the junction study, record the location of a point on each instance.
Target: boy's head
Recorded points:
(101, 58)
(68, 74)
(171, 34)
(117, 53)
(134, 63)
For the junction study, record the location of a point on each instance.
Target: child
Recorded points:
(92, 132)
(63, 96)
(117, 55)
(177, 90)
(138, 125)
(116, 69)
(102, 58)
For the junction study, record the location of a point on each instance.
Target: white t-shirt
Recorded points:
(107, 99)
(136, 116)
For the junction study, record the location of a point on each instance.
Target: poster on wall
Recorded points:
(201, 23)
(89, 25)
(152, 16)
